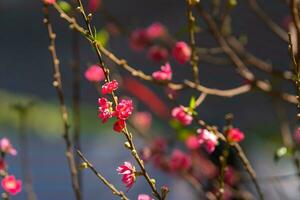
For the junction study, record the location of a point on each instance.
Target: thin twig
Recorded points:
(267, 20)
(75, 66)
(57, 83)
(191, 29)
(265, 87)
(114, 190)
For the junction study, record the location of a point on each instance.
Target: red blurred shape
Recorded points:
(147, 96)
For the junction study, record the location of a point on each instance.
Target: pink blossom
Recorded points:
(192, 142)
(2, 165)
(138, 39)
(94, 74)
(50, 1)
(11, 185)
(144, 197)
(156, 30)
(119, 125)
(235, 135)
(128, 172)
(179, 161)
(123, 109)
(6, 147)
(297, 135)
(158, 145)
(94, 5)
(182, 52)
(157, 53)
(109, 87)
(183, 117)
(208, 139)
(105, 109)
(165, 73)
(142, 120)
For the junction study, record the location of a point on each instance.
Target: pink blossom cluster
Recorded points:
(156, 39)
(9, 183)
(122, 110)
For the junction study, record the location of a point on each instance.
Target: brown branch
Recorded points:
(75, 66)
(222, 93)
(295, 15)
(114, 190)
(59, 90)
(140, 74)
(191, 29)
(257, 62)
(239, 64)
(267, 20)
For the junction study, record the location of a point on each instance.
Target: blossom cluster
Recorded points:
(9, 183)
(157, 40)
(121, 111)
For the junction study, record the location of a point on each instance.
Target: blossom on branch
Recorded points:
(235, 135)
(119, 125)
(109, 87)
(182, 52)
(144, 197)
(165, 73)
(128, 172)
(156, 30)
(124, 109)
(105, 109)
(94, 74)
(208, 139)
(11, 185)
(182, 116)
(6, 147)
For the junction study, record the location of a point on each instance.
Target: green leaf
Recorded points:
(192, 103)
(281, 152)
(65, 6)
(102, 37)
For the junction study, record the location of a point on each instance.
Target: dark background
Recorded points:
(25, 69)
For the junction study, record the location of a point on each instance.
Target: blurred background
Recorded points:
(26, 75)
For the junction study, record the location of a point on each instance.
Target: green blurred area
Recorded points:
(44, 116)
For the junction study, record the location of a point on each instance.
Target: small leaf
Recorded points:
(102, 37)
(192, 103)
(65, 6)
(281, 152)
